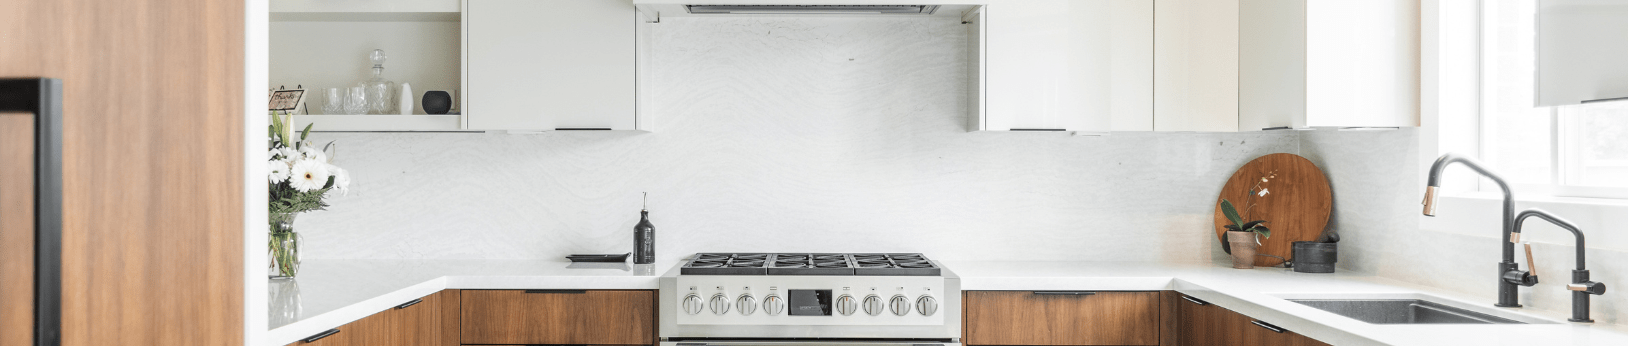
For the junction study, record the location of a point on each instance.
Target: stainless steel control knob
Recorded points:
(720, 304)
(746, 304)
(899, 304)
(773, 305)
(692, 304)
(846, 305)
(926, 305)
(873, 305)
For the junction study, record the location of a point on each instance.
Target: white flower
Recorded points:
(289, 154)
(273, 154)
(309, 175)
(312, 153)
(279, 171)
(1263, 193)
(341, 179)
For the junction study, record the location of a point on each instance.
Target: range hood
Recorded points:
(811, 9)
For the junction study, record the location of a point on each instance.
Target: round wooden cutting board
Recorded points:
(1296, 205)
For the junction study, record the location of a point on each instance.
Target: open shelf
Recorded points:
(380, 122)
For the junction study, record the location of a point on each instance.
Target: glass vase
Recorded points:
(284, 246)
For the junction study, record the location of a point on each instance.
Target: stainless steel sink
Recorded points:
(1402, 311)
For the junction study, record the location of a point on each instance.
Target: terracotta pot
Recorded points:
(1243, 249)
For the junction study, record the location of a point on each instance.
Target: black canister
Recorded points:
(437, 102)
(1315, 257)
(644, 238)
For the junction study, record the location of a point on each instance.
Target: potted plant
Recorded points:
(1242, 235)
(300, 178)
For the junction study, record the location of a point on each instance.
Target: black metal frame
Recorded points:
(43, 97)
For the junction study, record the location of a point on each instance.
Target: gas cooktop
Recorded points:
(866, 264)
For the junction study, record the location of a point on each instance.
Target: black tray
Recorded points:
(598, 258)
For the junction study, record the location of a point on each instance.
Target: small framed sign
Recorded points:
(286, 100)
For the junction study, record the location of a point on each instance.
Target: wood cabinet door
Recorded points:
(424, 323)
(1203, 324)
(558, 317)
(152, 152)
(1271, 335)
(1061, 318)
(16, 228)
(372, 330)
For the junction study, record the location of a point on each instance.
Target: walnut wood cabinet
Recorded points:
(581, 317)
(1061, 318)
(428, 321)
(1203, 324)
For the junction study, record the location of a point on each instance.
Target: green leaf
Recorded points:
(1252, 224)
(307, 131)
(1265, 233)
(1231, 213)
(330, 183)
(1233, 228)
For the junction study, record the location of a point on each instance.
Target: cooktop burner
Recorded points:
(872, 264)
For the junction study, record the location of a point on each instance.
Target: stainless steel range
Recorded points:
(742, 299)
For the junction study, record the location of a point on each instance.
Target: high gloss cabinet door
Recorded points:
(549, 64)
(1074, 65)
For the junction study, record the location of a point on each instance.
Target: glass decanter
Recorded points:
(381, 93)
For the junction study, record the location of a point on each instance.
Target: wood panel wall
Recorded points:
(16, 228)
(152, 162)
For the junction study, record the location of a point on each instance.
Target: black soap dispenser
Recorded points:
(644, 236)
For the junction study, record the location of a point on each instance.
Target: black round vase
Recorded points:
(437, 102)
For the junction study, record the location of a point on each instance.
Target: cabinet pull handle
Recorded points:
(1606, 100)
(1195, 300)
(1268, 326)
(1064, 293)
(409, 303)
(319, 336)
(582, 129)
(1039, 129)
(558, 291)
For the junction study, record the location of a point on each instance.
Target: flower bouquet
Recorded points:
(300, 177)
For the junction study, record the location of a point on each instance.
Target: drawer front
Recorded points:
(1061, 318)
(558, 317)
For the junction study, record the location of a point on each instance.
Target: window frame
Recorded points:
(1563, 129)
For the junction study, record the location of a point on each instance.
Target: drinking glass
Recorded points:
(333, 101)
(356, 101)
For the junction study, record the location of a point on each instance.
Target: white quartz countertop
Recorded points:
(330, 293)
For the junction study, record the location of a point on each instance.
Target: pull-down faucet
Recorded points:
(1509, 274)
(1580, 287)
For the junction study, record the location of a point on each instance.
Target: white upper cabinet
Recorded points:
(1061, 65)
(1247, 65)
(538, 65)
(1195, 65)
(1582, 51)
(1312, 63)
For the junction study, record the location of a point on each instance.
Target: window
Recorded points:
(1577, 151)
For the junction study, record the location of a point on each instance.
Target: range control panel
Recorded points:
(809, 300)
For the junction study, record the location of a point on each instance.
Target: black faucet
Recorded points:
(1580, 287)
(1509, 273)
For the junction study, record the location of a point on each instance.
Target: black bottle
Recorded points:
(644, 239)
